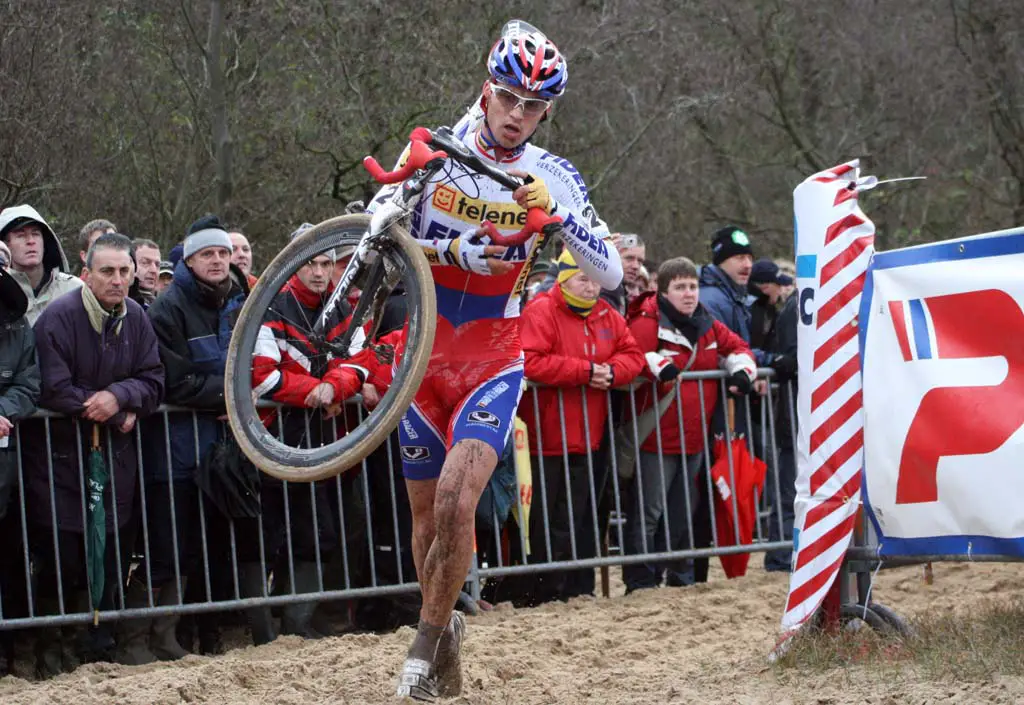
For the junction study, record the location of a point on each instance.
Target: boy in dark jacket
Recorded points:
(780, 522)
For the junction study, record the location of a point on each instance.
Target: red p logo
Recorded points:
(959, 420)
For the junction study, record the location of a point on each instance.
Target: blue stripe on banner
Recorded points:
(807, 266)
(921, 339)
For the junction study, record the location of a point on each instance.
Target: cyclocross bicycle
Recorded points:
(384, 256)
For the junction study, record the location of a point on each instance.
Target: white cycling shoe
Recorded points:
(422, 681)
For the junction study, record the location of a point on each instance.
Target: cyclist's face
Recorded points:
(511, 119)
(316, 274)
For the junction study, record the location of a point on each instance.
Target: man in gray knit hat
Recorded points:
(192, 319)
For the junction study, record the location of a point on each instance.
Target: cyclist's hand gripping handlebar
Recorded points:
(419, 156)
(536, 221)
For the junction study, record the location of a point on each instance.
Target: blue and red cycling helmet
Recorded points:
(525, 58)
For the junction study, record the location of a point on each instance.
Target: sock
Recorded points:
(424, 646)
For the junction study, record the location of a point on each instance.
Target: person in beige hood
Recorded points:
(38, 263)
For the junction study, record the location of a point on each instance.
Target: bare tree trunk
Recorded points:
(983, 40)
(218, 107)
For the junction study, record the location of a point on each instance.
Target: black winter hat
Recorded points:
(765, 271)
(729, 242)
(207, 222)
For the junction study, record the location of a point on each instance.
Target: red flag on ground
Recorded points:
(747, 474)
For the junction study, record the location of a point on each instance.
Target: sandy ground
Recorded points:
(692, 645)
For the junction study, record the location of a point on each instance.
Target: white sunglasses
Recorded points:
(510, 100)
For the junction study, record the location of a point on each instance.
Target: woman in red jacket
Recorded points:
(676, 333)
(578, 346)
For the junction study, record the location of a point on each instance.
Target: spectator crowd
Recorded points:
(185, 518)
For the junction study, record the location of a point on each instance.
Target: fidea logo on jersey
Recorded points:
(944, 396)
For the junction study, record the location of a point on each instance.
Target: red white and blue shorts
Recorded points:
(462, 396)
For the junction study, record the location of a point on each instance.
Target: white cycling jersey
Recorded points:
(458, 201)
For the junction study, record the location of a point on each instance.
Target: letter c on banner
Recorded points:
(806, 296)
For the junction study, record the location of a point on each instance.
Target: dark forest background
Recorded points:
(682, 115)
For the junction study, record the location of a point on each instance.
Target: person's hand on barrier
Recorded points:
(129, 422)
(5, 427)
(321, 395)
(600, 376)
(662, 367)
(100, 407)
(371, 398)
(533, 194)
(761, 387)
(785, 367)
(332, 410)
(738, 384)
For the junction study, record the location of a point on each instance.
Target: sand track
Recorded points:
(696, 645)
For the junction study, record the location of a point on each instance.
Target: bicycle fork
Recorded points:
(382, 276)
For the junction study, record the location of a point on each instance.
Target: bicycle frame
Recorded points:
(421, 165)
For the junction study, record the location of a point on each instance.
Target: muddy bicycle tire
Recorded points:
(309, 464)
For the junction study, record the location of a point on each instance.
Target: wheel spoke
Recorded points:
(324, 447)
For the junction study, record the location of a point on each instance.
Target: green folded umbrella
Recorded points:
(96, 523)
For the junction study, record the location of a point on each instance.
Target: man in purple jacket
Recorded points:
(100, 366)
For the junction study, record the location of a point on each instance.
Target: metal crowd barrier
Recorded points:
(371, 500)
(761, 441)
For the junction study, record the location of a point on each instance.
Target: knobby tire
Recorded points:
(307, 465)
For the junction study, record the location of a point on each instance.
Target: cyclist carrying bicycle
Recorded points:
(456, 429)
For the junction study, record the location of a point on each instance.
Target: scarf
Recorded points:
(581, 307)
(214, 295)
(99, 317)
(690, 326)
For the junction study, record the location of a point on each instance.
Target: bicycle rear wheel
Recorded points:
(306, 462)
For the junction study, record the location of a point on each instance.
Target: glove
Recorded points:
(741, 381)
(537, 195)
(465, 252)
(785, 367)
(663, 369)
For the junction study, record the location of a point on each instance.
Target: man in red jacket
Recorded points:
(676, 333)
(311, 386)
(579, 346)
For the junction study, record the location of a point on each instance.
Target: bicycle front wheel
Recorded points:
(328, 446)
